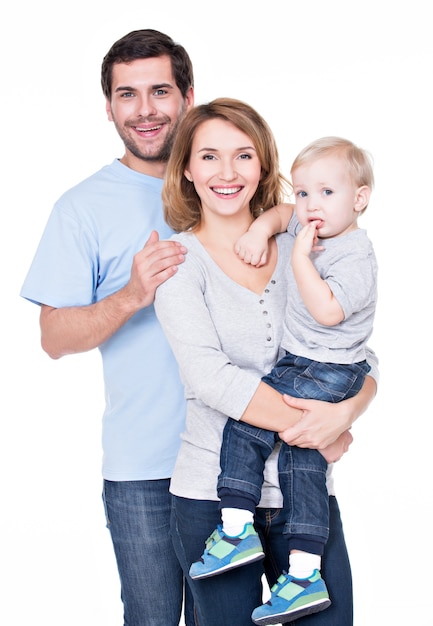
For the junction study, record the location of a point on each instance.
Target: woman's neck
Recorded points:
(222, 232)
(218, 237)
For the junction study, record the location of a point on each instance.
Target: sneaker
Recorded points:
(292, 598)
(223, 553)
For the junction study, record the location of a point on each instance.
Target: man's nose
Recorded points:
(146, 106)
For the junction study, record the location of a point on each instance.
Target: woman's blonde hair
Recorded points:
(182, 206)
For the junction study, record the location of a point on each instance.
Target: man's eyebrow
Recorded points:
(153, 87)
(161, 85)
(124, 88)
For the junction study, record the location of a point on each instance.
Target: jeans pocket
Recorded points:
(325, 381)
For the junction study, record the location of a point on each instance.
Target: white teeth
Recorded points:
(145, 130)
(227, 192)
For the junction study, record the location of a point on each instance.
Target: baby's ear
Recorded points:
(362, 197)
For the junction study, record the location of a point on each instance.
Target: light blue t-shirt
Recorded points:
(84, 255)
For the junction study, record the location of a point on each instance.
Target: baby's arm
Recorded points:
(252, 247)
(315, 292)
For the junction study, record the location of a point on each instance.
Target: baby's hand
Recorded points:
(306, 240)
(252, 248)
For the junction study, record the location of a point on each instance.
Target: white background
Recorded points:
(362, 70)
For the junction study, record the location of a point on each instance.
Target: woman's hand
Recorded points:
(335, 451)
(320, 425)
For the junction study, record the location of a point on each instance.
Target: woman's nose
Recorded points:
(227, 171)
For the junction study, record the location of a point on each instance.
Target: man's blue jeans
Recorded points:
(138, 517)
(302, 471)
(230, 598)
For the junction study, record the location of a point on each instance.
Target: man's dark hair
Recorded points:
(146, 44)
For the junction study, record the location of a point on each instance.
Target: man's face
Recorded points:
(146, 106)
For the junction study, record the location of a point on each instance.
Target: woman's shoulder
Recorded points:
(182, 237)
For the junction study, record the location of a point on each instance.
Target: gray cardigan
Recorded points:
(224, 338)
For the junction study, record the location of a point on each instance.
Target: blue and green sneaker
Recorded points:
(223, 553)
(292, 598)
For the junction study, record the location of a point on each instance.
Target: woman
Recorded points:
(223, 319)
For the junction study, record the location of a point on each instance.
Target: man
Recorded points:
(98, 264)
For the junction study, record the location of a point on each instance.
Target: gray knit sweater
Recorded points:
(224, 338)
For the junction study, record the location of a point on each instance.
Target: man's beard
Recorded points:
(162, 155)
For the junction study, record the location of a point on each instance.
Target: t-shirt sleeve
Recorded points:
(63, 271)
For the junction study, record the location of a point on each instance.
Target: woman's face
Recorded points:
(224, 168)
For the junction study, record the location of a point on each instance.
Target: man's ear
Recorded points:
(362, 197)
(108, 110)
(189, 98)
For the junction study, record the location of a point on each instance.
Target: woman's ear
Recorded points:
(362, 197)
(187, 175)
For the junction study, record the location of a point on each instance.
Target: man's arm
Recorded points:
(69, 330)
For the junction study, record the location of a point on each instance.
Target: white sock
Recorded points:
(303, 564)
(234, 520)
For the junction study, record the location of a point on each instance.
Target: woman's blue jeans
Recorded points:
(231, 597)
(138, 517)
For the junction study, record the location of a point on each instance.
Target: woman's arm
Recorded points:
(310, 423)
(218, 367)
(268, 409)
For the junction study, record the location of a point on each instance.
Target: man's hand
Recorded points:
(153, 265)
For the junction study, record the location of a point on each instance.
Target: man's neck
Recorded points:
(150, 168)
